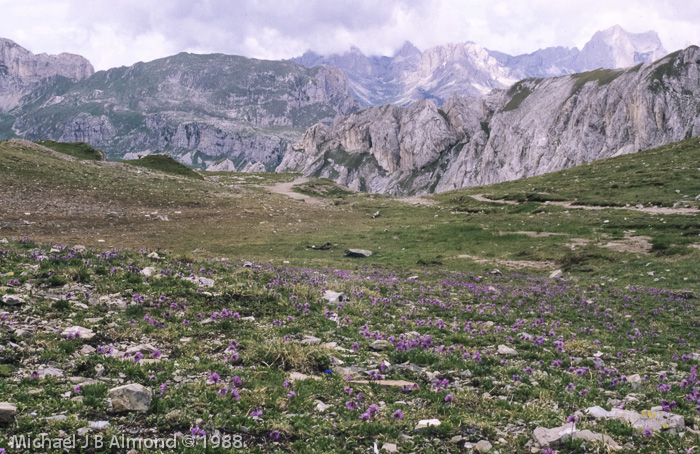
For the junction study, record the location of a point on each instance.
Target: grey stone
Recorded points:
(390, 447)
(84, 333)
(505, 350)
(654, 419)
(380, 345)
(483, 446)
(131, 397)
(7, 412)
(425, 423)
(357, 253)
(12, 300)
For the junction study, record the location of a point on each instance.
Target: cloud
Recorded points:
(112, 33)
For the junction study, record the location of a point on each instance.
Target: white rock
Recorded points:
(425, 423)
(505, 350)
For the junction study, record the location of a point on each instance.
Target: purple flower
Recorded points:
(570, 387)
(256, 413)
(449, 398)
(352, 405)
(373, 410)
(291, 394)
(197, 432)
(76, 389)
(364, 417)
(214, 377)
(156, 354)
(275, 435)
(137, 357)
(398, 414)
(648, 433)
(572, 419)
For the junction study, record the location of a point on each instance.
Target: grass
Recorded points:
(602, 76)
(165, 164)
(217, 367)
(663, 176)
(79, 150)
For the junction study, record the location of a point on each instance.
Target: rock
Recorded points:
(505, 350)
(556, 274)
(386, 383)
(7, 412)
(84, 333)
(654, 419)
(200, 281)
(390, 447)
(131, 397)
(153, 255)
(635, 381)
(50, 372)
(552, 437)
(321, 407)
(299, 376)
(310, 340)
(98, 424)
(12, 300)
(425, 423)
(145, 349)
(21, 332)
(334, 297)
(483, 446)
(380, 345)
(148, 271)
(596, 438)
(357, 253)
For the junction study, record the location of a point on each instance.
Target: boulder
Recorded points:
(654, 419)
(131, 397)
(7, 412)
(12, 300)
(79, 331)
(483, 446)
(380, 345)
(505, 350)
(334, 297)
(425, 423)
(357, 253)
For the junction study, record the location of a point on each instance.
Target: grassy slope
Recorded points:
(79, 150)
(165, 164)
(231, 215)
(662, 176)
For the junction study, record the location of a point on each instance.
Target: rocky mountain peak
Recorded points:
(618, 48)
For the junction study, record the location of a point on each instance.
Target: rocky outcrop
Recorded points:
(537, 126)
(199, 109)
(21, 71)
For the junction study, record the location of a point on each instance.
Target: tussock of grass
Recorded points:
(165, 164)
(79, 150)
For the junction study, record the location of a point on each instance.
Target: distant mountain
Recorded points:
(539, 125)
(21, 71)
(469, 69)
(198, 108)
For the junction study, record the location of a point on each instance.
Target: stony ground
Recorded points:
(155, 346)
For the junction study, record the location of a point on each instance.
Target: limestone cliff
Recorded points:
(537, 126)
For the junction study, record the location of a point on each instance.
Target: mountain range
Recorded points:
(471, 70)
(451, 116)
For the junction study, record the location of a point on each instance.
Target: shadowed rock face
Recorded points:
(537, 126)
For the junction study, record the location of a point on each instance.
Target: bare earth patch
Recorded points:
(634, 244)
(541, 265)
(533, 234)
(417, 201)
(481, 198)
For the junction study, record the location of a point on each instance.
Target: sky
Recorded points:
(113, 33)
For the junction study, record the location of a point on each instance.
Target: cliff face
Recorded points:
(21, 71)
(198, 108)
(537, 126)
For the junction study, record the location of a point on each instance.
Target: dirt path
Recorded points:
(651, 210)
(287, 189)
